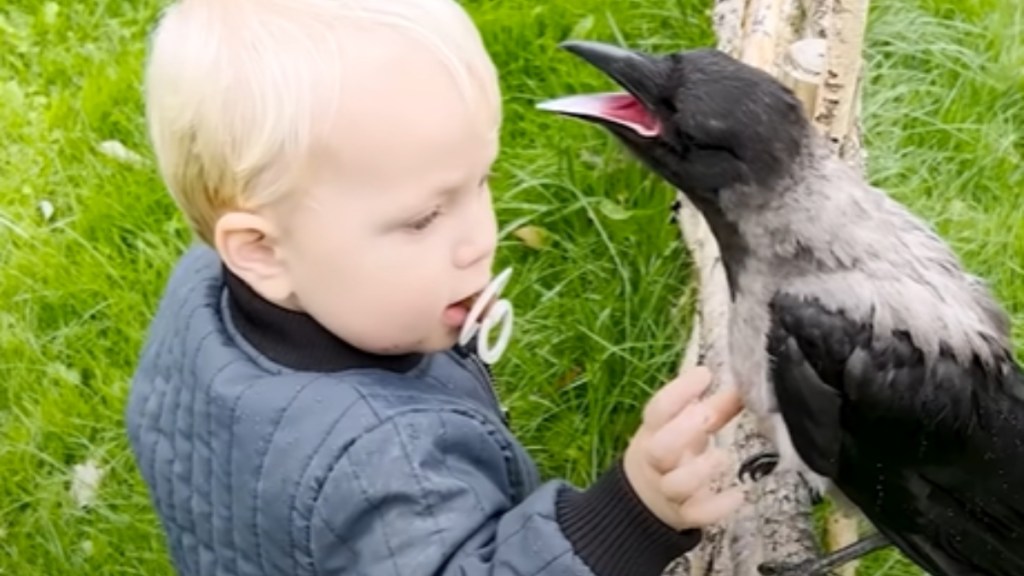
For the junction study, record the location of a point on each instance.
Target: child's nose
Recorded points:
(479, 243)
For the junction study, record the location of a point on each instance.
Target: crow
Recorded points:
(877, 365)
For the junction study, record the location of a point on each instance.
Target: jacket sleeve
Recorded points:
(428, 493)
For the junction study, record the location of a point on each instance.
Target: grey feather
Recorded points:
(825, 232)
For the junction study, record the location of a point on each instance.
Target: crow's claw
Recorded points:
(824, 566)
(758, 466)
(783, 569)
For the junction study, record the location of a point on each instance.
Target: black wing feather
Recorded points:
(932, 452)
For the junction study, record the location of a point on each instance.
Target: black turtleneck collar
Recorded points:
(295, 339)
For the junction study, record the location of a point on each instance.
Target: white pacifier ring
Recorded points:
(499, 311)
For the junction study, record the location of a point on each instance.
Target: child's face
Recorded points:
(397, 223)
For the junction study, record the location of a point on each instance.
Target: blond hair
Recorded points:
(232, 88)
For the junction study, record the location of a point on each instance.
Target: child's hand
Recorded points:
(667, 461)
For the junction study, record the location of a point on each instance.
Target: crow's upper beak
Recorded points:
(634, 71)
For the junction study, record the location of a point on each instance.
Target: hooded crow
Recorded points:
(875, 362)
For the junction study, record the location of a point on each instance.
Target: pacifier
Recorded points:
(499, 311)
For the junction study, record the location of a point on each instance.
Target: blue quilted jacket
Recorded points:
(269, 447)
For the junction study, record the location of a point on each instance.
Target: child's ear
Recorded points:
(247, 244)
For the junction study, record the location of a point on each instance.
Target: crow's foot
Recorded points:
(782, 569)
(823, 566)
(758, 466)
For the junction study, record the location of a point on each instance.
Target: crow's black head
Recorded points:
(701, 119)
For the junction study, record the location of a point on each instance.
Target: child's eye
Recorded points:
(421, 223)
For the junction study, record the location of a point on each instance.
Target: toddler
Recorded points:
(304, 404)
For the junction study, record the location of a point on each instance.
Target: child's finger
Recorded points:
(723, 406)
(689, 432)
(686, 481)
(675, 396)
(709, 508)
(684, 434)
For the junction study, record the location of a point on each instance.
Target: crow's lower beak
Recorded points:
(634, 71)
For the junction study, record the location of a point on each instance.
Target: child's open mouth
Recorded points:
(455, 314)
(481, 312)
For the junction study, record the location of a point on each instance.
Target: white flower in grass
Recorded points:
(85, 483)
(118, 151)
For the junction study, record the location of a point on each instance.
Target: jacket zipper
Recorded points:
(488, 377)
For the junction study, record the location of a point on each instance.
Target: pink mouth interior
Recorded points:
(628, 110)
(619, 107)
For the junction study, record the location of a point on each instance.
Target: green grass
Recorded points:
(602, 310)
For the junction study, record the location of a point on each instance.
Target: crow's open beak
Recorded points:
(634, 71)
